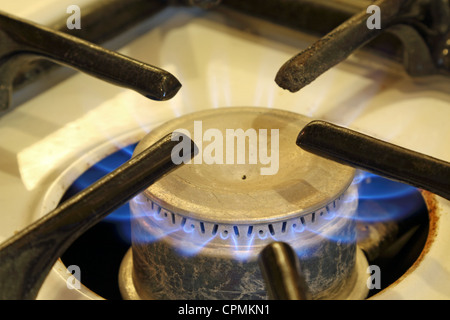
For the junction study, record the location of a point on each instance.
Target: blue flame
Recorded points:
(121, 216)
(374, 187)
(379, 199)
(196, 247)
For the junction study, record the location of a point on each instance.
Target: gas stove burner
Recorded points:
(197, 233)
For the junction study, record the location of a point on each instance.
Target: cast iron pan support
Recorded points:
(22, 41)
(282, 274)
(28, 256)
(422, 26)
(361, 151)
(278, 262)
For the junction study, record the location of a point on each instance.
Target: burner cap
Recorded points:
(295, 183)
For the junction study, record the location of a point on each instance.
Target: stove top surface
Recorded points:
(222, 59)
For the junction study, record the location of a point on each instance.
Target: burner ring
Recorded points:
(237, 239)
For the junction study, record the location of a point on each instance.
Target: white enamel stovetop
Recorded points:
(48, 141)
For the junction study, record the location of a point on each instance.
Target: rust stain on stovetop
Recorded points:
(433, 216)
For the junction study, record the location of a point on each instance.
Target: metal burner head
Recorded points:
(213, 218)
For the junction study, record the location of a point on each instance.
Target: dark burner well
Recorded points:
(101, 249)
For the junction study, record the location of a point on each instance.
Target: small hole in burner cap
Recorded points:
(244, 177)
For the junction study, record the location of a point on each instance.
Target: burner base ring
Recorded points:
(358, 291)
